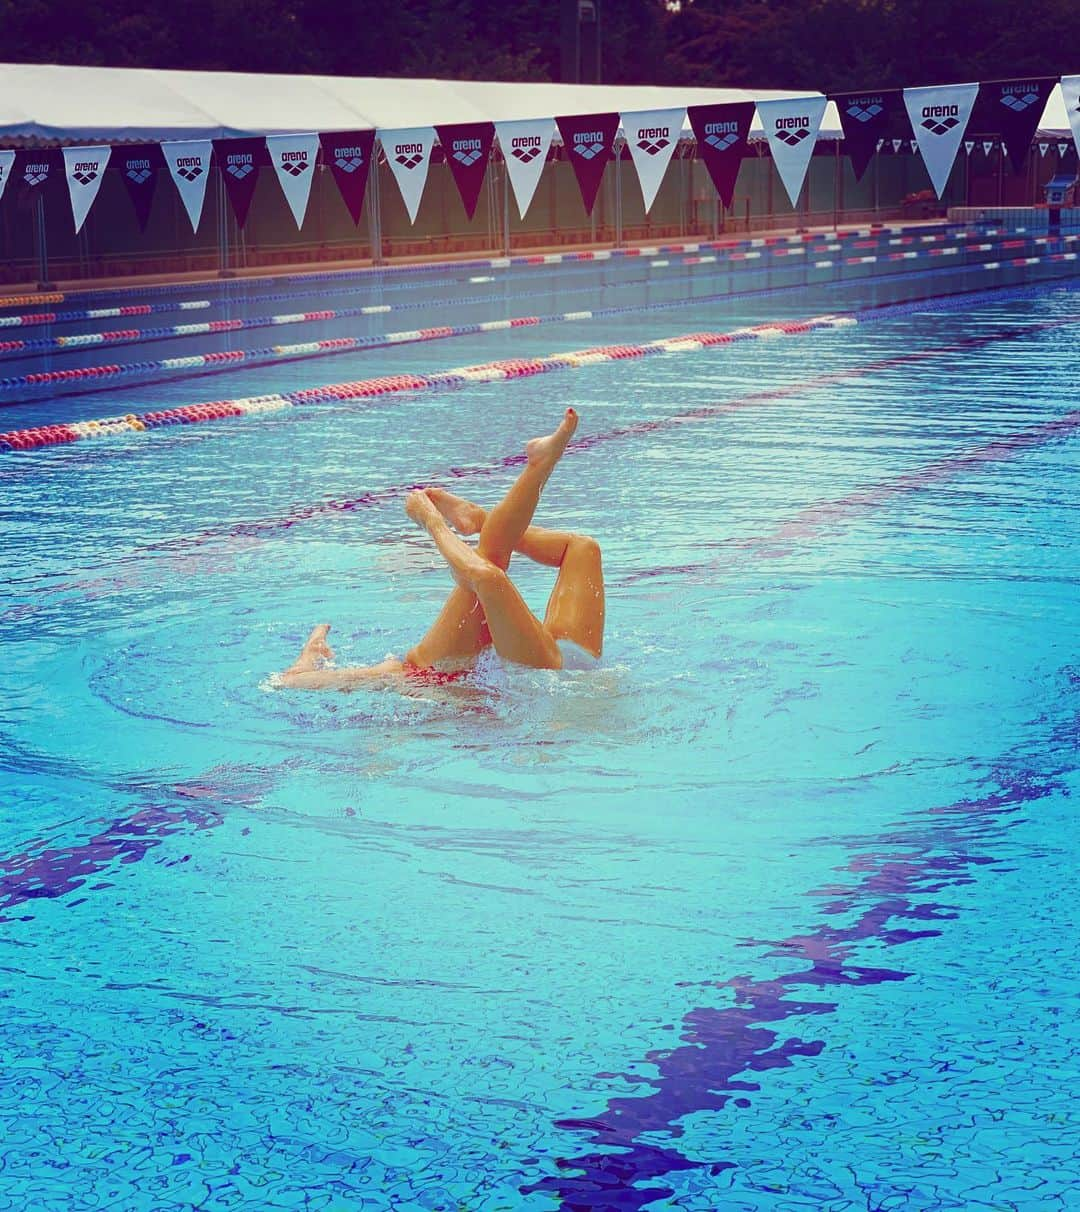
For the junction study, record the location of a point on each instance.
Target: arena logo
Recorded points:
(189, 167)
(467, 151)
(1019, 97)
(138, 171)
(295, 163)
(240, 164)
(653, 139)
(940, 119)
(792, 131)
(864, 109)
(348, 159)
(588, 144)
(85, 171)
(34, 174)
(721, 135)
(408, 155)
(526, 148)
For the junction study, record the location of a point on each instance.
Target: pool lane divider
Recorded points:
(37, 437)
(378, 273)
(244, 358)
(32, 319)
(489, 372)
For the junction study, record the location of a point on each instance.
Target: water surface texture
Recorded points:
(775, 909)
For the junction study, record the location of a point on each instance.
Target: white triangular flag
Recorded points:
(914, 145)
(791, 127)
(897, 144)
(7, 162)
(189, 167)
(988, 146)
(880, 144)
(939, 116)
(1043, 148)
(652, 136)
(1070, 93)
(969, 146)
(525, 146)
(293, 158)
(84, 168)
(408, 152)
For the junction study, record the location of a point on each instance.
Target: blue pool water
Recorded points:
(774, 909)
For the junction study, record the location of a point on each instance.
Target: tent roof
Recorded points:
(47, 102)
(80, 104)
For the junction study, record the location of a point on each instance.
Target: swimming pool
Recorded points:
(775, 909)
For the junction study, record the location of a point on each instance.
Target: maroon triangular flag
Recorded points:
(138, 164)
(239, 161)
(467, 147)
(868, 117)
(721, 132)
(1012, 109)
(348, 154)
(587, 139)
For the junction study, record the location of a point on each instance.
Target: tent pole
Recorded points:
(42, 244)
(619, 144)
(223, 230)
(506, 209)
(374, 210)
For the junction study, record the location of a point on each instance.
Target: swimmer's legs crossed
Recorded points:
(575, 610)
(515, 631)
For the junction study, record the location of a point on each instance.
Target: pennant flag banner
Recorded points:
(293, 159)
(7, 166)
(988, 147)
(188, 163)
(897, 144)
(1070, 91)
(84, 168)
(939, 117)
(652, 136)
(791, 127)
(38, 170)
(408, 152)
(468, 148)
(969, 146)
(138, 165)
(1043, 149)
(588, 139)
(348, 154)
(525, 147)
(239, 161)
(722, 132)
(866, 119)
(1012, 109)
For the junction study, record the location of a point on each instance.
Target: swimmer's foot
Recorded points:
(465, 517)
(465, 565)
(547, 451)
(314, 652)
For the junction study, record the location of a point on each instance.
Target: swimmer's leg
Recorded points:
(460, 632)
(517, 634)
(575, 609)
(305, 672)
(508, 521)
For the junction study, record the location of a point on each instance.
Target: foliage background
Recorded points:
(822, 44)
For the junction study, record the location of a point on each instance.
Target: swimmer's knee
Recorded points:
(585, 545)
(489, 576)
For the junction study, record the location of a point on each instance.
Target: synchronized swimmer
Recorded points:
(485, 609)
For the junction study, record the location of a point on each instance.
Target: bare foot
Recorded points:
(315, 649)
(465, 517)
(420, 507)
(549, 450)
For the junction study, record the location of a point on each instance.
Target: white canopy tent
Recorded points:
(50, 103)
